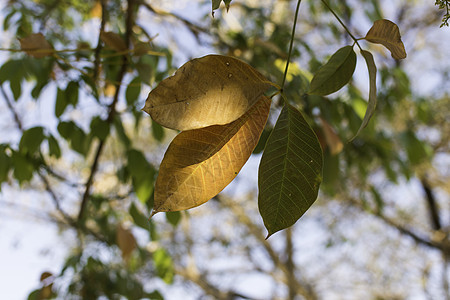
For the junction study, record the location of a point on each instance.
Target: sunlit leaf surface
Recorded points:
(212, 90)
(200, 163)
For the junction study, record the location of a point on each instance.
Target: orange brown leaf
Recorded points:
(211, 90)
(200, 163)
(36, 45)
(386, 32)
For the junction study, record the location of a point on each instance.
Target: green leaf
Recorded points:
(31, 140)
(155, 295)
(138, 165)
(145, 68)
(330, 172)
(289, 172)
(65, 129)
(5, 164)
(10, 69)
(336, 73)
(372, 90)
(157, 131)
(173, 217)
(23, 168)
(378, 200)
(61, 103)
(138, 218)
(215, 4)
(76, 137)
(91, 83)
(35, 295)
(66, 97)
(142, 173)
(16, 87)
(121, 132)
(79, 141)
(99, 128)
(53, 147)
(163, 265)
(72, 93)
(133, 91)
(415, 148)
(143, 187)
(227, 3)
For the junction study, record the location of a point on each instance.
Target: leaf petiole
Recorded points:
(342, 23)
(290, 46)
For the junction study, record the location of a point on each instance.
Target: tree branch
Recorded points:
(195, 29)
(112, 110)
(99, 41)
(44, 179)
(209, 288)
(9, 103)
(442, 246)
(433, 209)
(289, 275)
(290, 266)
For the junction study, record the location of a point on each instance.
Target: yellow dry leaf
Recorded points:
(126, 241)
(211, 90)
(386, 32)
(113, 40)
(36, 45)
(200, 163)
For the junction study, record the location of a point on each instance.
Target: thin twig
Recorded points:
(8, 101)
(432, 206)
(99, 41)
(442, 246)
(44, 179)
(290, 46)
(342, 23)
(195, 29)
(301, 289)
(112, 111)
(290, 265)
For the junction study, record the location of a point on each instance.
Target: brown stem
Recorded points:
(112, 110)
(99, 41)
(8, 101)
(299, 288)
(442, 246)
(195, 29)
(431, 201)
(290, 266)
(44, 179)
